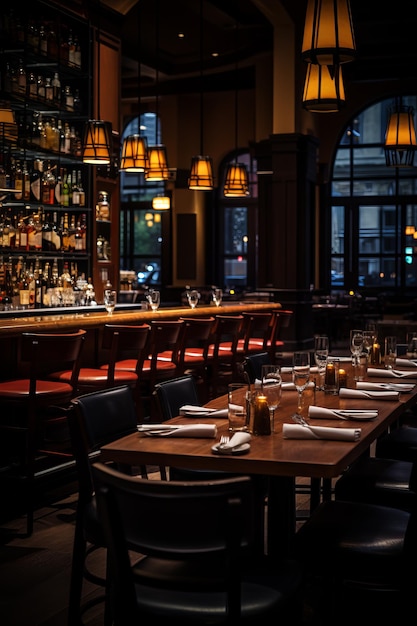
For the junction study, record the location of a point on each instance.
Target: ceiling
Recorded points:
(240, 32)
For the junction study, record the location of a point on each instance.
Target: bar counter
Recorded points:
(93, 319)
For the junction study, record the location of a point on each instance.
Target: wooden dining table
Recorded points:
(281, 460)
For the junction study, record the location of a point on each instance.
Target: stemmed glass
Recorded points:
(110, 298)
(301, 375)
(217, 296)
(193, 298)
(321, 352)
(356, 342)
(154, 298)
(369, 337)
(271, 384)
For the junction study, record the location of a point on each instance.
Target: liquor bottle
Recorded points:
(31, 283)
(55, 236)
(75, 190)
(56, 85)
(81, 188)
(23, 234)
(65, 280)
(47, 234)
(58, 186)
(43, 41)
(78, 237)
(49, 90)
(68, 98)
(71, 49)
(26, 182)
(65, 233)
(38, 288)
(18, 182)
(84, 231)
(24, 289)
(71, 234)
(40, 88)
(21, 78)
(77, 52)
(65, 190)
(35, 184)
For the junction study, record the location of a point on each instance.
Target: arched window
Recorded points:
(373, 212)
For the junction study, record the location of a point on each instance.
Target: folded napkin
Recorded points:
(405, 362)
(236, 440)
(345, 414)
(345, 392)
(191, 410)
(401, 387)
(342, 359)
(291, 386)
(180, 430)
(297, 431)
(287, 369)
(391, 373)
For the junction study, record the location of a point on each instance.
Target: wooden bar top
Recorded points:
(91, 319)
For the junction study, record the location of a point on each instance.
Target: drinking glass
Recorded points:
(321, 352)
(369, 337)
(217, 296)
(154, 298)
(271, 384)
(301, 375)
(411, 345)
(390, 354)
(110, 298)
(193, 298)
(356, 342)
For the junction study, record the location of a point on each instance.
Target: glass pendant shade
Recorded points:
(400, 137)
(97, 142)
(236, 184)
(201, 175)
(324, 91)
(161, 203)
(328, 33)
(134, 154)
(158, 164)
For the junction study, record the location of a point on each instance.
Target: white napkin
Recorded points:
(391, 373)
(191, 430)
(401, 387)
(345, 392)
(287, 369)
(237, 440)
(321, 411)
(405, 362)
(291, 386)
(191, 410)
(342, 359)
(297, 431)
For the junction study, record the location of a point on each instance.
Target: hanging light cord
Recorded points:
(157, 71)
(201, 79)
(236, 90)
(98, 59)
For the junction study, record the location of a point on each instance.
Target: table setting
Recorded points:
(190, 410)
(304, 430)
(401, 387)
(238, 443)
(346, 392)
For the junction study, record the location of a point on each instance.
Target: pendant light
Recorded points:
(157, 154)
(236, 183)
(328, 33)
(135, 148)
(400, 137)
(161, 203)
(323, 89)
(97, 134)
(201, 174)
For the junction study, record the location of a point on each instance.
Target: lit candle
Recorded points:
(376, 354)
(262, 420)
(330, 378)
(342, 378)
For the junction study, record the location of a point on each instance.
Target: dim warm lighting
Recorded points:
(323, 89)
(410, 230)
(134, 154)
(201, 176)
(161, 203)
(328, 33)
(97, 143)
(400, 138)
(236, 184)
(158, 166)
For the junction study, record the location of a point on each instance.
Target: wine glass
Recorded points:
(271, 384)
(217, 296)
(110, 298)
(356, 342)
(369, 337)
(154, 298)
(193, 298)
(301, 375)
(321, 352)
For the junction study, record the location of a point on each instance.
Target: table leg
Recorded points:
(281, 516)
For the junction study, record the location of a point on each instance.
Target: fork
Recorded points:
(224, 440)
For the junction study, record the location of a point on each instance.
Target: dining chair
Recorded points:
(33, 414)
(222, 354)
(358, 560)
(118, 341)
(252, 365)
(191, 356)
(193, 556)
(96, 418)
(281, 320)
(256, 330)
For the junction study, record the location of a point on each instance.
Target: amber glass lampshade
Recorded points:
(328, 33)
(236, 184)
(161, 203)
(400, 137)
(134, 154)
(201, 175)
(97, 142)
(158, 164)
(323, 89)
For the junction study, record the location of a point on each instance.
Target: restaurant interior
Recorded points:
(284, 209)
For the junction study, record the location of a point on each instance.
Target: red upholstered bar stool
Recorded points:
(32, 409)
(191, 358)
(222, 352)
(118, 341)
(256, 331)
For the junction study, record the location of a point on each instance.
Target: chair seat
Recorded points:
(98, 377)
(400, 443)
(19, 389)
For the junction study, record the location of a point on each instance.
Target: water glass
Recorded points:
(390, 354)
(271, 385)
(193, 298)
(154, 298)
(321, 352)
(331, 377)
(412, 345)
(110, 298)
(237, 406)
(217, 296)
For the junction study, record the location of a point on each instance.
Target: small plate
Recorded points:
(242, 449)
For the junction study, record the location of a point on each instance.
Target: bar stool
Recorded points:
(222, 351)
(256, 331)
(32, 407)
(192, 355)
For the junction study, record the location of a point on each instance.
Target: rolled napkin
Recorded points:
(342, 359)
(191, 410)
(292, 387)
(324, 412)
(345, 392)
(288, 369)
(297, 431)
(405, 362)
(236, 440)
(179, 430)
(401, 387)
(391, 373)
